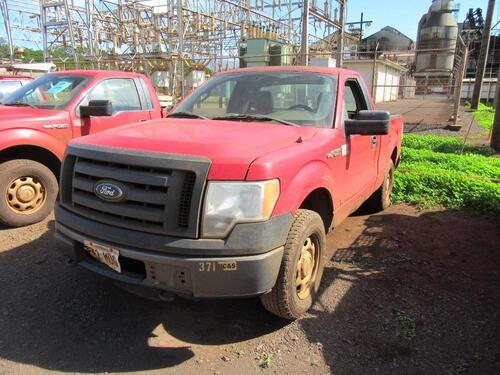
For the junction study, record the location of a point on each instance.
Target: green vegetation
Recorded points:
(434, 172)
(266, 360)
(485, 116)
(57, 54)
(407, 324)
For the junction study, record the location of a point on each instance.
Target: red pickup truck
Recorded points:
(10, 83)
(232, 194)
(38, 119)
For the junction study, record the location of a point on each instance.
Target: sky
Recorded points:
(404, 14)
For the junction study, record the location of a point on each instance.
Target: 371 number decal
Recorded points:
(217, 266)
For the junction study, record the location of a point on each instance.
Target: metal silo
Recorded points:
(437, 29)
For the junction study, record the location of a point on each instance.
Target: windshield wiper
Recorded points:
(20, 104)
(247, 117)
(187, 115)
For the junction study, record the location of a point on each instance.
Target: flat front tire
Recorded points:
(28, 192)
(301, 268)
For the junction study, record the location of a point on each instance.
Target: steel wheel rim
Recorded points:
(307, 267)
(25, 195)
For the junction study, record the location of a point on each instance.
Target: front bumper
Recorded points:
(206, 269)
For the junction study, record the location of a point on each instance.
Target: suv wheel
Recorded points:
(301, 267)
(28, 192)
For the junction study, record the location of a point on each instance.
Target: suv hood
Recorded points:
(231, 145)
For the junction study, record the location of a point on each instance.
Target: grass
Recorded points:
(434, 172)
(484, 115)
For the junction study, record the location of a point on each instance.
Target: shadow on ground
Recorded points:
(411, 295)
(404, 293)
(62, 318)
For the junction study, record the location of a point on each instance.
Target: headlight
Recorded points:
(228, 203)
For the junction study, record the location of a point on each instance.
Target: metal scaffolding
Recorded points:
(148, 35)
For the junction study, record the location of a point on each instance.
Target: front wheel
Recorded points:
(28, 192)
(301, 268)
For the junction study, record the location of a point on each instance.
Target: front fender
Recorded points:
(313, 175)
(30, 137)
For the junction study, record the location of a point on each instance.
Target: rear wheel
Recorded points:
(381, 199)
(28, 192)
(301, 267)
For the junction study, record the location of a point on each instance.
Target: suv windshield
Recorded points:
(306, 99)
(51, 91)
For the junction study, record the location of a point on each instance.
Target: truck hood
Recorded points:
(12, 116)
(231, 146)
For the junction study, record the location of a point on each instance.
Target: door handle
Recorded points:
(374, 140)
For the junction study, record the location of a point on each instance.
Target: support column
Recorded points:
(495, 132)
(304, 43)
(483, 56)
(340, 42)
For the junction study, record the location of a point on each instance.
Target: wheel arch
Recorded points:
(34, 153)
(395, 157)
(320, 201)
(313, 188)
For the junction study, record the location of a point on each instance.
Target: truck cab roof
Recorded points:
(95, 73)
(13, 77)
(304, 69)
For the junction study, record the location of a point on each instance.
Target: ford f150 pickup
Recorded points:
(38, 119)
(231, 195)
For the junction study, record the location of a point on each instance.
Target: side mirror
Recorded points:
(368, 123)
(96, 108)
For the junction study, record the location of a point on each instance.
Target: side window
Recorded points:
(122, 93)
(354, 99)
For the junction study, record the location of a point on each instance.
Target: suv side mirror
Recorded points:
(97, 108)
(368, 123)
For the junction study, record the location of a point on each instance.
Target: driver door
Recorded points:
(125, 99)
(361, 161)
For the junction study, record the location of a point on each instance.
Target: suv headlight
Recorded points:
(228, 203)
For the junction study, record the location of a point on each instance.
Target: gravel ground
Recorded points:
(405, 292)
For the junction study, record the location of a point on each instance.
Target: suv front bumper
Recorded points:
(207, 269)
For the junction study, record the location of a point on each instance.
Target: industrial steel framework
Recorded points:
(147, 35)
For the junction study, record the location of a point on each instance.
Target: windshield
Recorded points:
(51, 91)
(305, 99)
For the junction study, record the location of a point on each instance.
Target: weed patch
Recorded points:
(407, 323)
(433, 172)
(266, 360)
(484, 115)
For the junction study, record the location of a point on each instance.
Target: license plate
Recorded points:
(104, 254)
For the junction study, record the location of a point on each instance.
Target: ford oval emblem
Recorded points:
(110, 191)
